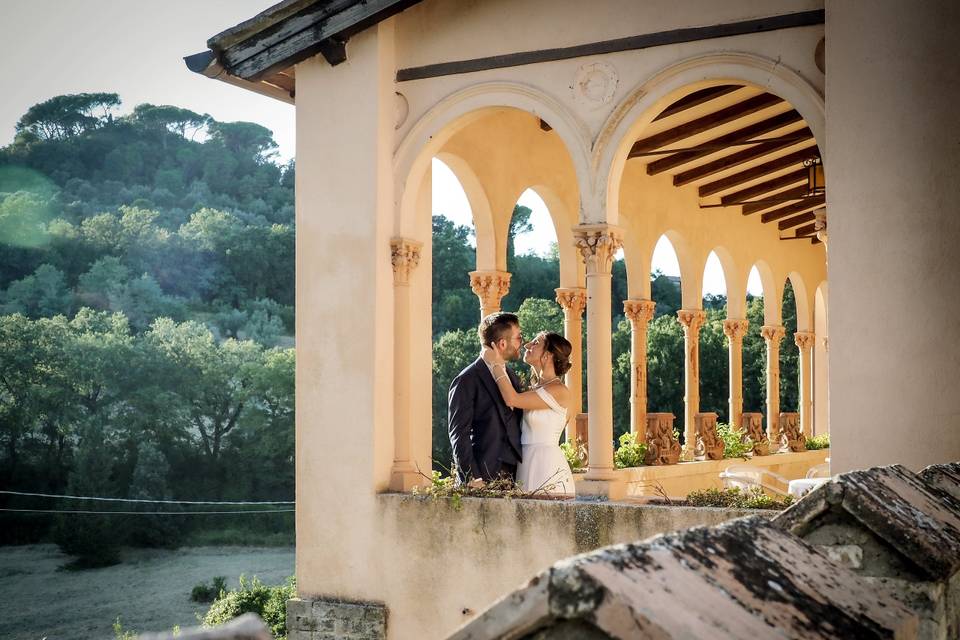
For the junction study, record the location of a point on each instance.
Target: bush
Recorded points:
(208, 593)
(575, 454)
(735, 445)
(819, 442)
(734, 498)
(630, 453)
(269, 602)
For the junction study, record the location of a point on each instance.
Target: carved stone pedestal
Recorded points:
(752, 425)
(662, 446)
(709, 444)
(791, 438)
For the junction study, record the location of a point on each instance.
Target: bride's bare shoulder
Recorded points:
(559, 391)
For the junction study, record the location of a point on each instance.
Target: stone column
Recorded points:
(490, 287)
(805, 341)
(573, 301)
(772, 335)
(597, 244)
(735, 329)
(405, 256)
(639, 312)
(692, 320)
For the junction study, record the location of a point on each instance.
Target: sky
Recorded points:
(135, 48)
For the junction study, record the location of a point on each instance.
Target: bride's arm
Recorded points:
(515, 399)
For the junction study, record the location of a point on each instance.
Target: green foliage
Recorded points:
(575, 453)
(119, 633)
(452, 352)
(447, 487)
(735, 442)
(819, 442)
(42, 294)
(630, 453)
(537, 314)
(150, 483)
(734, 498)
(269, 602)
(454, 303)
(204, 592)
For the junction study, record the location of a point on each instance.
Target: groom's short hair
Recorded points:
(497, 326)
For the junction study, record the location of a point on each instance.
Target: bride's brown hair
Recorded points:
(559, 349)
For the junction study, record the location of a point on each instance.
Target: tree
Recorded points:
(452, 352)
(44, 293)
(68, 115)
(665, 374)
(183, 122)
(245, 139)
(537, 314)
(150, 483)
(454, 304)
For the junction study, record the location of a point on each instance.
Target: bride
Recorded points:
(544, 467)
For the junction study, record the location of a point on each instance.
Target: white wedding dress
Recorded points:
(544, 466)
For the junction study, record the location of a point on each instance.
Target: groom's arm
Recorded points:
(460, 403)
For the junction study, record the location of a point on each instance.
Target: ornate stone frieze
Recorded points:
(804, 339)
(597, 244)
(639, 312)
(773, 334)
(709, 443)
(572, 299)
(735, 329)
(662, 446)
(405, 256)
(752, 425)
(791, 438)
(490, 287)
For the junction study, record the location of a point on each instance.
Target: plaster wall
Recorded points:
(892, 85)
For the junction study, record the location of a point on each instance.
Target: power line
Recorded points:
(148, 513)
(52, 495)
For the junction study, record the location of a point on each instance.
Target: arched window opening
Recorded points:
(714, 360)
(754, 349)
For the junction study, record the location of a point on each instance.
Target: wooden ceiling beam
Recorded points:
(787, 161)
(806, 204)
(770, 186)
(806, 230)
(707, 122)
(697, 98)
(739, 158)
(796, 221)
(793, 194)
(747, 133)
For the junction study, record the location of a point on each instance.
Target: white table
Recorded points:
(797, 488)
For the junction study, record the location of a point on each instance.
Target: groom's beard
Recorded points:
(512, 354)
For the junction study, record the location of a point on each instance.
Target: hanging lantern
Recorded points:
(815, 177)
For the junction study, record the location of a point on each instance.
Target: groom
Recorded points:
(484, 431)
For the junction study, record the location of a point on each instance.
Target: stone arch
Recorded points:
(802, 298)
(428, 135)
(571, 267)
(771, 293)
(736, 285)
(480, 210)
(638, 109)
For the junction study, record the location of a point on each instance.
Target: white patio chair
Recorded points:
(745, 478)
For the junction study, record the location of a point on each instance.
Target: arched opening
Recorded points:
(754, 349)
(789, 355)
(714, 359)
(665, 354)
(821, 368)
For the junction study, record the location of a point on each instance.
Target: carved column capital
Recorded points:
(804, 339)
(772, 333)
(735, 329)
(405, 256)
(597, 244)
(490, 287)
(691, 319)
(820, 224)
(639, 312)
(572, 299)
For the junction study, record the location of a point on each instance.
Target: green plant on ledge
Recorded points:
(754, 498)
(630, 453)
(735, 444)
(447, 487)
(819, 442)
(575, 454)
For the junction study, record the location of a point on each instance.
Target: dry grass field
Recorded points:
(150, 590)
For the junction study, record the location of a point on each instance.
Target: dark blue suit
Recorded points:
(484, 431)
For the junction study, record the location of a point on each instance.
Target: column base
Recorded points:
(405, 478)
(613, 488)
(687, 454)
